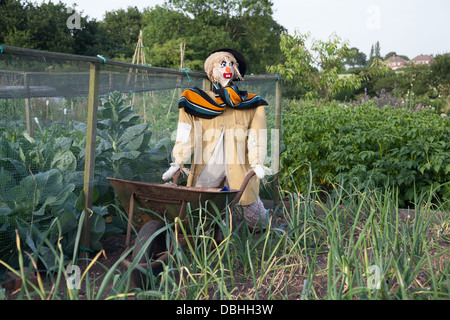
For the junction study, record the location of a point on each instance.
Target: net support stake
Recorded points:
(276, 146)
(88, 188)
(28, 112)
(207, 85)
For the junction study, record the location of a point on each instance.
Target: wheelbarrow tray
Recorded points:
(169, 200)
(166, 199)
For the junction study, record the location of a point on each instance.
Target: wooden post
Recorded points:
(207, 85)
(26, 86)
(276, 146)
(94, 77)
(182, 49)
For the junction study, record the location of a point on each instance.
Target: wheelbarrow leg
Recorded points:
(154, 249)
(130, 217)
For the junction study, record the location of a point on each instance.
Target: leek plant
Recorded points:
(342, 244)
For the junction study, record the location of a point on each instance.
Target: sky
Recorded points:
(407, 27)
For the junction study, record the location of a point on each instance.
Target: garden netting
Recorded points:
(43, 123)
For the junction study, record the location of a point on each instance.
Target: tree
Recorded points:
(206, 25)
(377, 50)
(320, 66)
(90, 39)
(162, 23)
(393, 53)
(164, 30)
(440, 73)
(224, 8)
(44, 27)
(358, 58)
(122, 29)
(13, 18)
(375, 55)
(37, 27)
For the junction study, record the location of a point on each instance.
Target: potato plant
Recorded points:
(367, 145)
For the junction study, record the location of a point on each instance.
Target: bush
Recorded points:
(367, 145)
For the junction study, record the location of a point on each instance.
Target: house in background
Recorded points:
(396, 62)
(423, 59)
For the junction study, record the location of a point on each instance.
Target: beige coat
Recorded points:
(245, 144)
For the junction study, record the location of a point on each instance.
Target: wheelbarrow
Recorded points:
(148, 204)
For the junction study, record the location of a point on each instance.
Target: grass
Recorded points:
(345, 244)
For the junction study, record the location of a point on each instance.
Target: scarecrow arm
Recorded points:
(184, 142)
(257, 138)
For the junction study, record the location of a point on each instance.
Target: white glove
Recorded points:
(169, 173)
(259, 171)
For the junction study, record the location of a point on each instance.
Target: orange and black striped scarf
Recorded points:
(198, 103)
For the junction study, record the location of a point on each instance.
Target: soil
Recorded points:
(113, 246)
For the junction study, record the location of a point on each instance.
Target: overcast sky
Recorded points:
(408, 27)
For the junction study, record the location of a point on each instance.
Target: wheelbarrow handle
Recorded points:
(243, 186)
(176, 176)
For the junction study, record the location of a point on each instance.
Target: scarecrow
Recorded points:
(226, 130)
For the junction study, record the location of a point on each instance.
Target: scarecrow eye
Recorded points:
(223, 64)
(232, 64)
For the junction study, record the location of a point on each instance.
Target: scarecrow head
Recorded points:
(225, 65)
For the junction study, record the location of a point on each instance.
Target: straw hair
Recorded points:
(214, 60)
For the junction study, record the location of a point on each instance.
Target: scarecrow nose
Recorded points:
(228, 69)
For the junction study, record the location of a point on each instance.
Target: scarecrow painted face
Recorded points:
(222, 67)
(227, 69)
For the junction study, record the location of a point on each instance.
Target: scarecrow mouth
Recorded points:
(227, 75)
